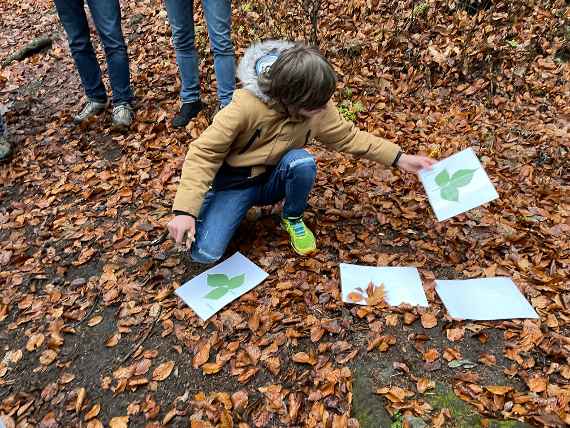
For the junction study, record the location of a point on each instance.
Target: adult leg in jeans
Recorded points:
(181, 19)
(292, 179)
(73, 18)
(219, 218)
(218, 15)
(107, 17)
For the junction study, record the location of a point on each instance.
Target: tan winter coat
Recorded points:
(252, 132)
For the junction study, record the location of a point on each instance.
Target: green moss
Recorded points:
(462, 414)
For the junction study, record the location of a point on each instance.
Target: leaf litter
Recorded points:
(82, 213)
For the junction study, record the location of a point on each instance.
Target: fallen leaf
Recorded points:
(81, 394)
(93, 412)
(409, 318)
(537, 384)
(34, 342)
(428, 320)
(499, 389)
(356, 297)
(202, 356)
(95, 320)
(431, 355)
(113, 340)
(211, 368)
(423, 384)
(47, 357)
(455, 334)
(94, 423)
(304, 358)
(162, 371)
(119, 422)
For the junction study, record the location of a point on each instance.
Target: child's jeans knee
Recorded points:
(300, 161)
(205, 256)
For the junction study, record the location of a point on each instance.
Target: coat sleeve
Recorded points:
(205, 157)
(344, 136)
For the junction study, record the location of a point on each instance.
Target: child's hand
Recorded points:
(180, 225)
(414, 163)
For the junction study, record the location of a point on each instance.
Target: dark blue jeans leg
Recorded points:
(219, 218)
(181, 19)
(218, 15)
(74, 21)
(292, 179)
(107, 17)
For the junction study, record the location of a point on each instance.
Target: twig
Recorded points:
(34, 47)
(88, 314)
(144, 338)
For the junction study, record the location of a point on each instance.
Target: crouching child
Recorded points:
(252, 154)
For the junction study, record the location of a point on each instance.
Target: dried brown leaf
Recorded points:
(163, 371)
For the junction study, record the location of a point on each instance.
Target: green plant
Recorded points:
(397, 420)
(222, 284)
(350, 109)
(420, 9)
(450, 185)
(513, 43)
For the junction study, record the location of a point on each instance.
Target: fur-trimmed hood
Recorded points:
(257, 58)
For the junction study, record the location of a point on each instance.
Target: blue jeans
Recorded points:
(107, 17)
(223, 211)
(218, 14)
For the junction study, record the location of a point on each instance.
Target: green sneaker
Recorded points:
(302, 239)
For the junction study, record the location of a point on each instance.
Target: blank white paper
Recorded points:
(401, 284)
(484, 299)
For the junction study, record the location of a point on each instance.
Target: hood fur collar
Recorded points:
(256, 57)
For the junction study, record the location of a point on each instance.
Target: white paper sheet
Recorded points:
(213, 289)
(484, 299)
(457, 184)
(401, 284)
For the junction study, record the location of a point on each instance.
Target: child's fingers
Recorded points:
(172, 232)
(427, 163)
(189, 239)
(190, 236)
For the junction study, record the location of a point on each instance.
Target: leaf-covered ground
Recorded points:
(91, 332)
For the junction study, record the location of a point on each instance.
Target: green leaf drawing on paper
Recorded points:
(450, 186)
(450, 193)
(236, 281)
(462, 177)
(222, 284)
(218, 280)
(216, 293)
(442, 178)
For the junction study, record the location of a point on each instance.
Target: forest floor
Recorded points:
(91, 333)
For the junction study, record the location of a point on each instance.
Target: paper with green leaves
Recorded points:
(213, 289)
(457, 184)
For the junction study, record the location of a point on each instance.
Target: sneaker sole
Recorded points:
(307, 253)
(121, 128)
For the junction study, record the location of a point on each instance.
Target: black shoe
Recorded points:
(188, 111)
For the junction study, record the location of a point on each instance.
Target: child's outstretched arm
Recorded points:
(203, 160)
(344, 136)
(413, 163)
